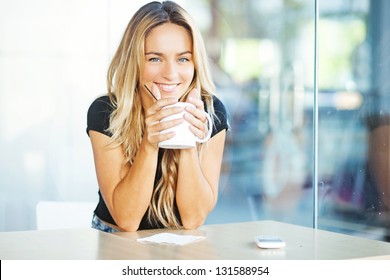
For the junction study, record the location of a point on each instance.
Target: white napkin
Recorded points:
(170, 238)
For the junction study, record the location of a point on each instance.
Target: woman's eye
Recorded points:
(154, 59)
(183, 59)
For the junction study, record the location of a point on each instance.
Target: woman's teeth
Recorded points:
(167, 88)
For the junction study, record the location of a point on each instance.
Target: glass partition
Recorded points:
(354, 103)
(263, 63)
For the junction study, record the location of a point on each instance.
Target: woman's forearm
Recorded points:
(194, 194)
(131, 197)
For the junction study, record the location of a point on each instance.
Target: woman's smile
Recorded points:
(168, 88)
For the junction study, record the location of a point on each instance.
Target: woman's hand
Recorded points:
(153, 116)
(197, 116)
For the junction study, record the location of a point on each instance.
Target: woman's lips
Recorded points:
(167, 87)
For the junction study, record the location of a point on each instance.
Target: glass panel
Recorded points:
(354, 104)
(263, 63)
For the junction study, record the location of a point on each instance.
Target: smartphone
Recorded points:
(269, 242)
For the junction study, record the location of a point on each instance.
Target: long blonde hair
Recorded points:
(127, 120)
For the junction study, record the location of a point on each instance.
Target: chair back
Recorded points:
(64, 214)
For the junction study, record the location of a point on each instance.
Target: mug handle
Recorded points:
(210, 130)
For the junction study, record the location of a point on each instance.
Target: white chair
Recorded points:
(64, 214)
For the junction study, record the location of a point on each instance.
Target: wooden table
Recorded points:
(223, 242)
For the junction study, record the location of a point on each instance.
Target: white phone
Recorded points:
(269, 242)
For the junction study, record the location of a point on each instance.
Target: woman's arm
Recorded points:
(197, 188)
(126, 189)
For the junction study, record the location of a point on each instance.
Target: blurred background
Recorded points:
(53, 61)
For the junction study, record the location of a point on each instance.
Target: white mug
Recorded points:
(184, 138)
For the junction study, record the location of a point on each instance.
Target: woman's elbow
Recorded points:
(128, 227)
(193, 223)
(126, 224)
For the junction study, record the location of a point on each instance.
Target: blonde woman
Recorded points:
(142, 186)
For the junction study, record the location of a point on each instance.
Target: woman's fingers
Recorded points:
(154, 116)
(196, 116)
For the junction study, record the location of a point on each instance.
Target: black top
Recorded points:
(98, 120)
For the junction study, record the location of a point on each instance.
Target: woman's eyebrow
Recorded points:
(154, 53)
(185, 52)
(161, 54)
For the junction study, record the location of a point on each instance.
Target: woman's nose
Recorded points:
(170, 70)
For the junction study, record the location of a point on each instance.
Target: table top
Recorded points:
(223, 242)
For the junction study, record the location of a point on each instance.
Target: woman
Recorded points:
(140, 185)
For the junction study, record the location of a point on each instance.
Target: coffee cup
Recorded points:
(184, 138)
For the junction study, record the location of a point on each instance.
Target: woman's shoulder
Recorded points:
(218, 105)
(102, 102)
(221, 120)
(99, 112)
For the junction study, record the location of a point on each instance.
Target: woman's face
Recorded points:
(168, 61)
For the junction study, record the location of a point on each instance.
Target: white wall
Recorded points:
(53, 61)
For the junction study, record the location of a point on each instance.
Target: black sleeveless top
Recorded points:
(98, 119)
